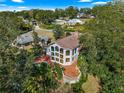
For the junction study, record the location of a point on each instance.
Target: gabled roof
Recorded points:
(69, 42)
(24, 38)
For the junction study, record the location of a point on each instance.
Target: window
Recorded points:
(61, 61)
(61, 50)
(52, 53)
(61, 56)
(57, 54)
(67, 59)
(52, 48)
(57, 59)
(75, 50)
(57, 48)
(52, 58)
(67, 52)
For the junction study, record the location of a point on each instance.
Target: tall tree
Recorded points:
(58, 32)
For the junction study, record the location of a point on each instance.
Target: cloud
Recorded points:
(99, 3)
(84, 1)
(12, 8)
(3, 5)
(18, 1)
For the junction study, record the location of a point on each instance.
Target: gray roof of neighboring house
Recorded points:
(27, 38)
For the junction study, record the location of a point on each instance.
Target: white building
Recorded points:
(79, 15)
(65, 52)
(75, 21)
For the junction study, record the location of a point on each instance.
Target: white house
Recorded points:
(65, 52)
(75, 21)
(79, 15)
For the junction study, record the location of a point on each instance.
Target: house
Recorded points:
(75, 21)
(65, 52)
(26, 39)
(80, 15)
(92, 16)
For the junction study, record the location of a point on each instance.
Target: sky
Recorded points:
(19, 5)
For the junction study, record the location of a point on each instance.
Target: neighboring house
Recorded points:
(80, 15)
(75, 21)
(92, 16)
(60, 22)
(26, 39)
(65, 52)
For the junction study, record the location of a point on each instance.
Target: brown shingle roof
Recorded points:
(69, 42)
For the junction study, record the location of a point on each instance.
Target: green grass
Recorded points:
(79, 28)
(50, 26)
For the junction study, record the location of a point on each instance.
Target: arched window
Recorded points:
(52, 48)
(57, 48)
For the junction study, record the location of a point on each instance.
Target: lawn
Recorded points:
(91, 85)
(44, 32)
(79, 28)
(50, 26)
